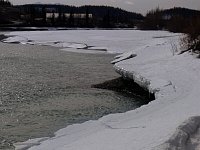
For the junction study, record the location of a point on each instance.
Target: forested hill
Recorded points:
(97, 11)
(72, 16)
(174, 19)
(183, 12)
(8, 14)
(101, 11)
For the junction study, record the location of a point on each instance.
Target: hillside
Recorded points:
(71, 16)
(98, 11)
(178, 11)
(8, 15)
(174, 19)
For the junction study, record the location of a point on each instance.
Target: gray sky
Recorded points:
(141, 6)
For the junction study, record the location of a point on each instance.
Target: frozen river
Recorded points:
(150, 58)
(44, 89)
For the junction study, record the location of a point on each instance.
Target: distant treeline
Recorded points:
(180, 20)
(71, 16)
(4, 3)
(175, 19)
(8, 14)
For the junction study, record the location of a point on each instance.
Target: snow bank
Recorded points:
(173, 78)
(179, 140)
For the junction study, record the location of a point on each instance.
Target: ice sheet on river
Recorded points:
(112, 41)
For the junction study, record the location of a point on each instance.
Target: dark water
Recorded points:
(44, 89)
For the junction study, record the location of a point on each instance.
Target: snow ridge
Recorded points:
(178, 141)
(29, 143)
(132, 69)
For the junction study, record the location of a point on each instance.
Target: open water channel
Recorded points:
(44, 89)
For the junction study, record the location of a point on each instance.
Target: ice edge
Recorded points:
(183, 132)
(137, 78)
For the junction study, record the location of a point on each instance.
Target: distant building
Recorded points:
(67, 15)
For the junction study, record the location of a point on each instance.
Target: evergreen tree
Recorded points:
(32, 14)
(44, 14)
(63, 19)
(53, 19)
(5, 3)
(106, 20)
(59, 16)
(153, 20)
(71, 19)
(87, 17)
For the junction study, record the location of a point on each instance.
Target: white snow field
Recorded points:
(112, 41)
(151, 60)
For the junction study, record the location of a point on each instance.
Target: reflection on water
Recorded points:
(43, 90)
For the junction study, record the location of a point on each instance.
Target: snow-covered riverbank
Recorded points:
(174, 115)
(173, 78)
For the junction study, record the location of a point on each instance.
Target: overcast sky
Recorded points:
(141, 6)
